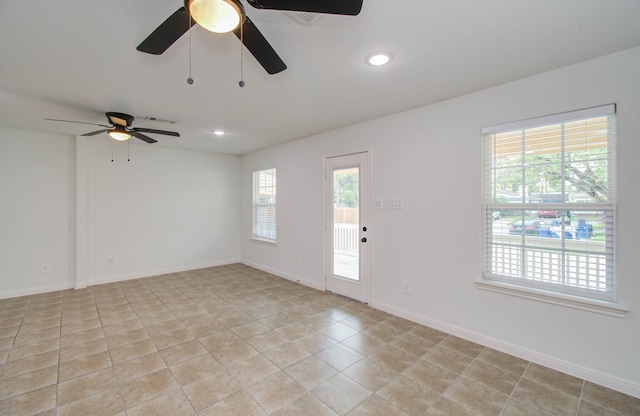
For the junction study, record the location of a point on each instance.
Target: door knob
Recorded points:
(363, 239)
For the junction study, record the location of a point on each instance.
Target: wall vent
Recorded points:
(159, 120)
(306, 18)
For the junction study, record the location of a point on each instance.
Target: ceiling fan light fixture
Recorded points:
(219, 16)
(119, 134)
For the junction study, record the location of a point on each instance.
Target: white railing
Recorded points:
(345, 239)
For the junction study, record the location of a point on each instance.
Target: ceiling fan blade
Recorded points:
(167, 33)
(346, 7)
(259, 47)
(77, 122)
(93, 133)
(142, 137)
(165, 132)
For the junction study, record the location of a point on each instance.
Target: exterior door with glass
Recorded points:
(347, 197)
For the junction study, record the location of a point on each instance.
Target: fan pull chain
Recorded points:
(111, 150)
(129, 150)
(189, 80)
(241, 83)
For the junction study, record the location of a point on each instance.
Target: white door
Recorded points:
(346, 226)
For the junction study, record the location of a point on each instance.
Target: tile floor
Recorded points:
(233, 340)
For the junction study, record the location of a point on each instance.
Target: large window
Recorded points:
(264, 204)
(549, 203)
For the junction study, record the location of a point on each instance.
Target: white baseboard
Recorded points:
(34, 291)
(284, 275)
(596, 377)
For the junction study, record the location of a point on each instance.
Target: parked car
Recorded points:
(531, 227)
(547, 214)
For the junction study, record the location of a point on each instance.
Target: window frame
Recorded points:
(604, 301)
(258, 204)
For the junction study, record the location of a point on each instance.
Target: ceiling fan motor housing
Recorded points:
(119, 119)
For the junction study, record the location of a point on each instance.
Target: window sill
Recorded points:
(265, 242)
(591, 305)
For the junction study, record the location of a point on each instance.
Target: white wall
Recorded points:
(178, 207)
(36, 211)
(431, 158)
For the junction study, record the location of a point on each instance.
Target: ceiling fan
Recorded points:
(120, 128)
(223, 16)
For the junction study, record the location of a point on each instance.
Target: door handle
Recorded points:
(363, 239)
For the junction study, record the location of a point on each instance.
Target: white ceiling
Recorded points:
(76, 59)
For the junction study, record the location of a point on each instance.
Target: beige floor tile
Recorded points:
(446, 407)
(305, 405)
(462, 346)
(81, 337)
(85, 365)
(492, 377)
(476, 397)
(281, 348)
(139, 367)
(430, 375)
(371, 374)
(338, 331)
(130, 351)
(239, 403)
(376, 406)
(252, 370)
(286, 354)
(546, 398)
(610, 399)
(554, 379)
(183, 352)
(428, 334)
(409, 396)
(139, 390)
(106, 402)
(84, 349)
(197, 368)
(208, 391)
(310, 372)
(314, 342)
(446, 358)
(503, 361)
(518, 408)
(84, 386)
(341, 394)
(393, 357)
(29, 364)
(25, 383)
(171, 339)
(234, 353)
(31, 403)
(339, 356)
(364, 344)
(127, 337)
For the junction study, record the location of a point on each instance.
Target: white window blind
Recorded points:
(549, 202)
(264, 204)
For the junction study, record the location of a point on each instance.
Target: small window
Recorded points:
(549, 203)
(264, 204)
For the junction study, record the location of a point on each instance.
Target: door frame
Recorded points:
(365, 212)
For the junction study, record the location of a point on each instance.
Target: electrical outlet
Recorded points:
(143, 256)
(44, 267)
(110, 261)
(405, 287)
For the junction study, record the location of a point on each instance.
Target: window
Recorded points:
(264, 204)
(549, 203)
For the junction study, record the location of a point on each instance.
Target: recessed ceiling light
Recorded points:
(218, 132)
(379, 58)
